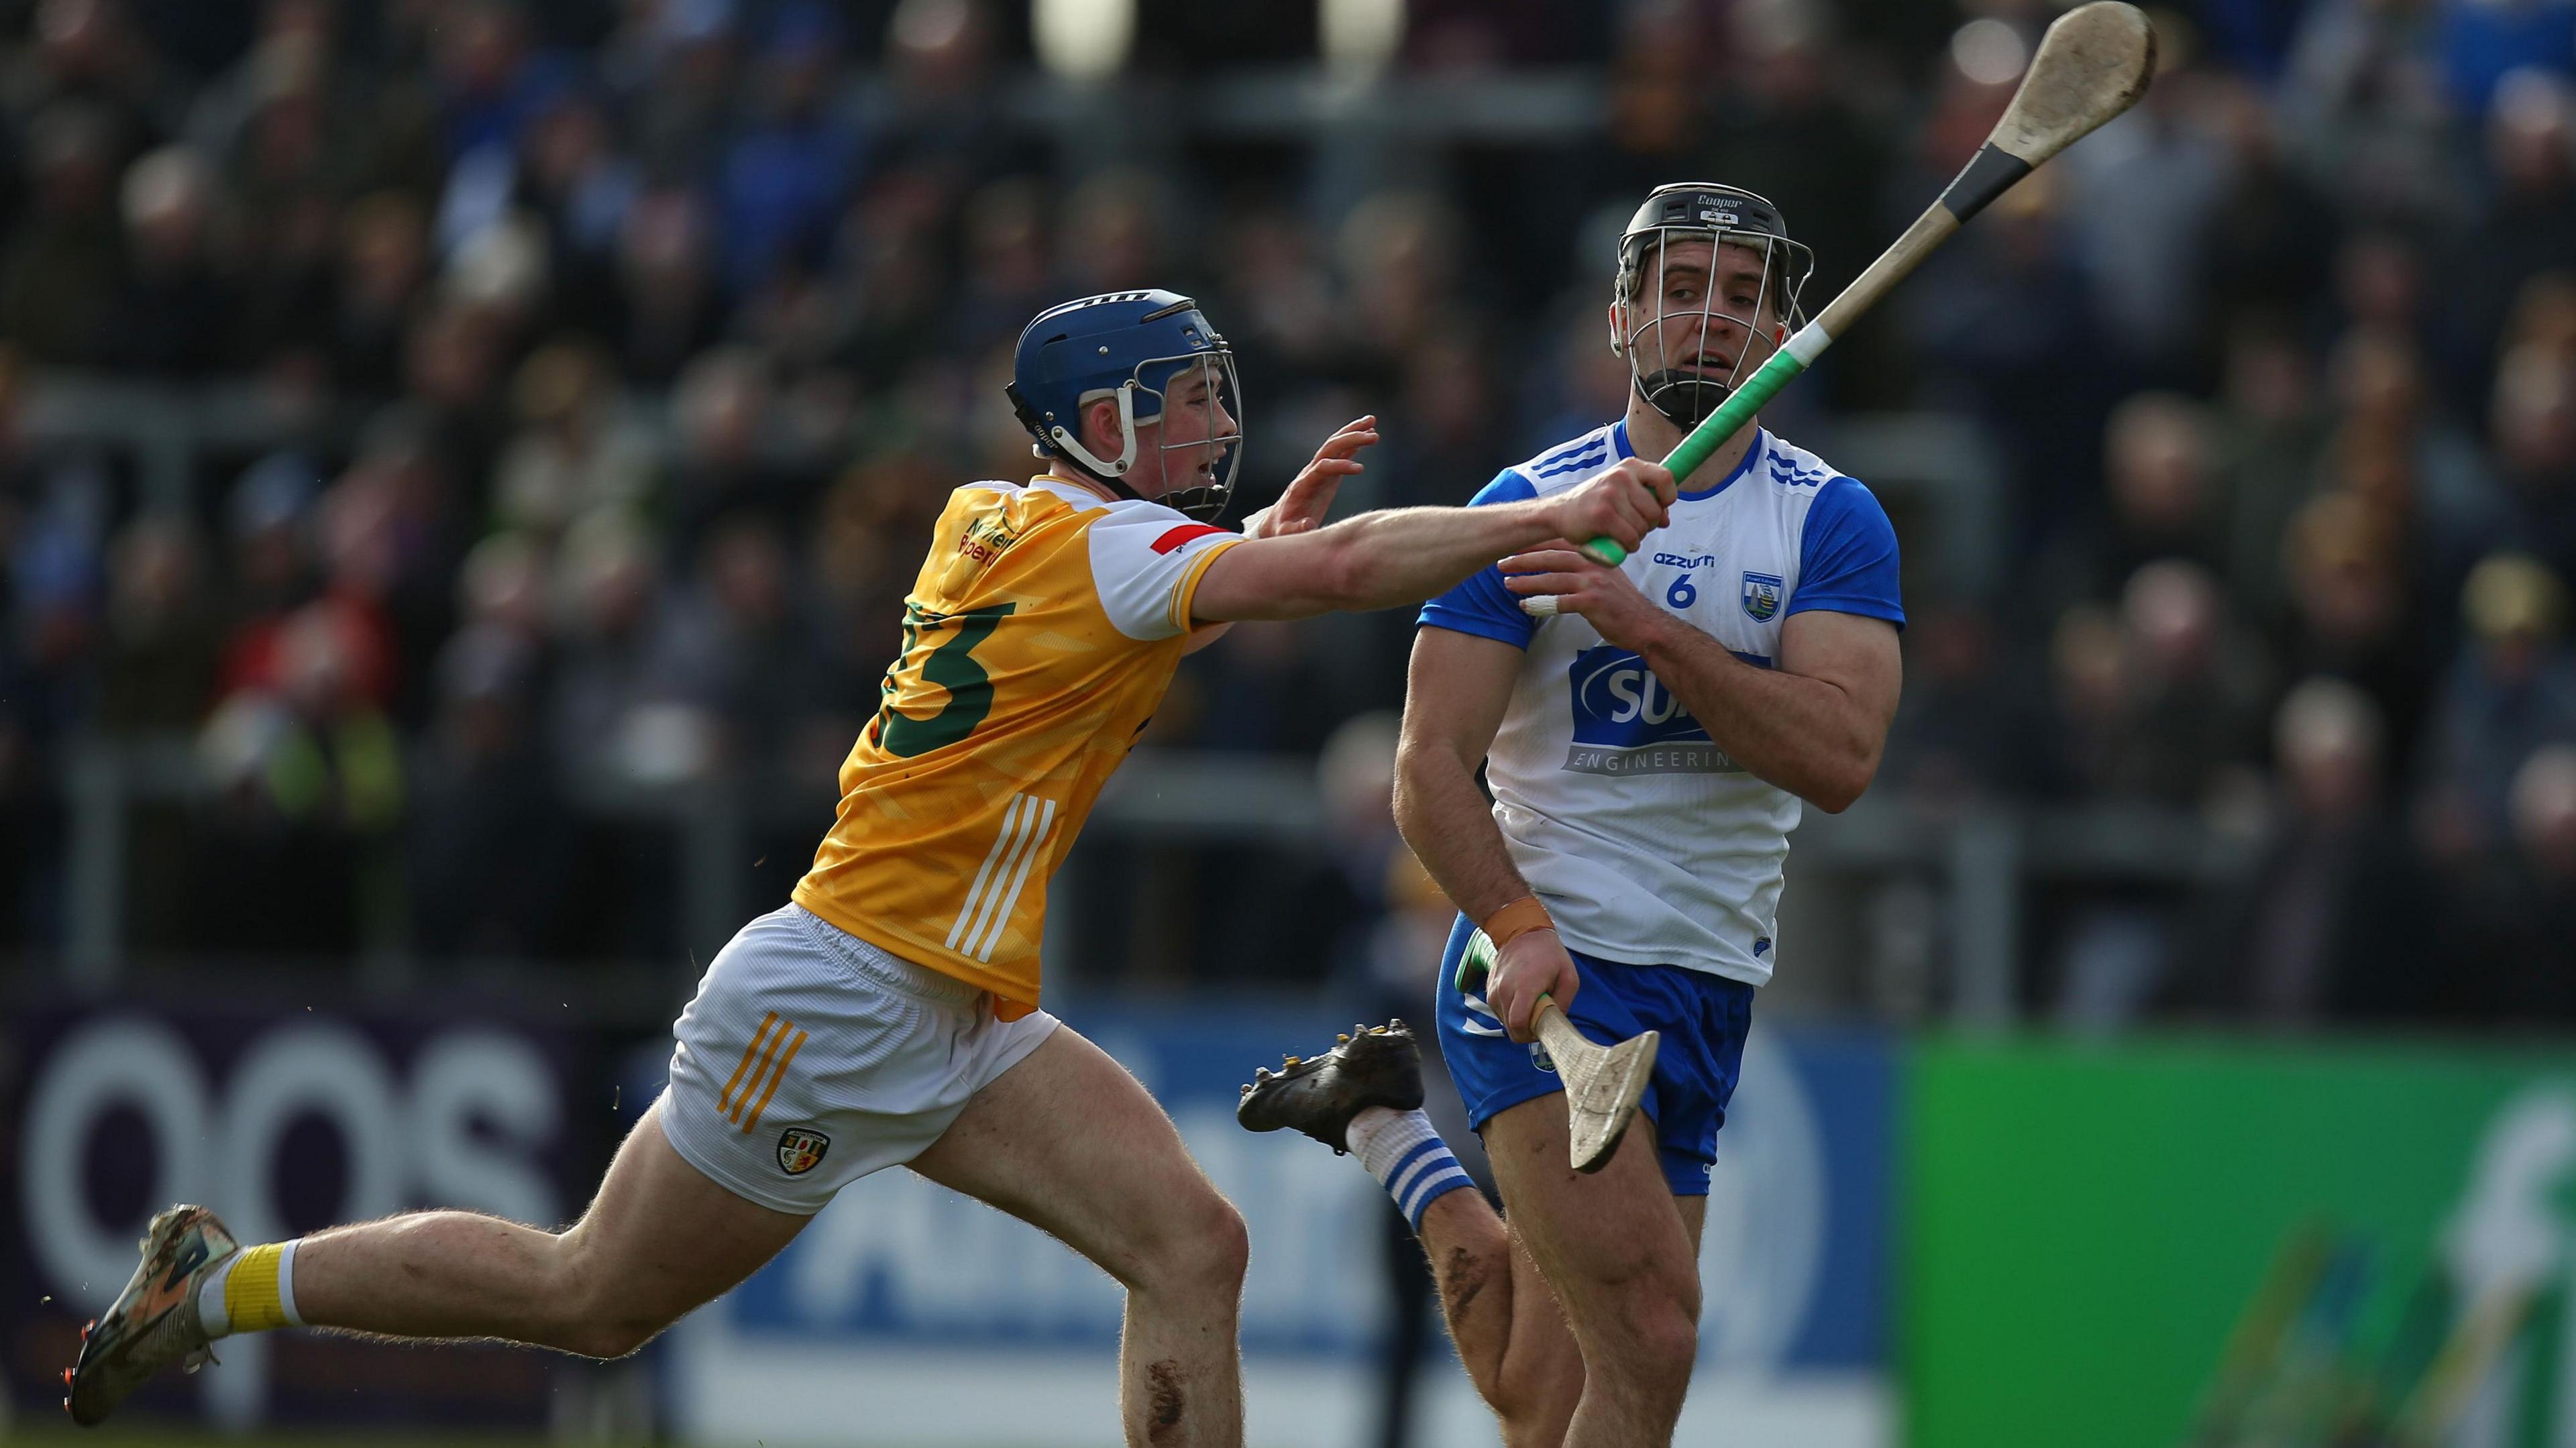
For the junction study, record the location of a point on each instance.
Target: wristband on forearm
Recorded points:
(1517, 919)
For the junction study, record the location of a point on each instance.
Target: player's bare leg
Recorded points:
(1363, 1096)
(659, 1240)
(1510, 1334)
(1621, 1254)
(1510, 1330)
(1069, 1142)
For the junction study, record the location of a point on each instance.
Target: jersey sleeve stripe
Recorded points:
(1032, 847)
(1183, 534)
(1189, 589)
(1592, 447)
(1574, 462)
(975, 892)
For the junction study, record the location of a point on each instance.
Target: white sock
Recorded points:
(1407, 1157)
(286, 1282)
(212, 1312)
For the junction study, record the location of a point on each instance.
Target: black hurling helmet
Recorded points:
(1654, 338)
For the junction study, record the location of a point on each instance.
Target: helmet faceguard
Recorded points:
(1153, 353)
(1208, 381)
(1672, 350)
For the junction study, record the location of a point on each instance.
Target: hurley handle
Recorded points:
(1477, 961)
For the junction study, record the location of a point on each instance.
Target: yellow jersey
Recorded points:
(1039, 638)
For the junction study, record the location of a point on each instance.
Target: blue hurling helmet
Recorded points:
(1130, 346)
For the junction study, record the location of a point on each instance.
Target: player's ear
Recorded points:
(1618, 342)
(1101, 415)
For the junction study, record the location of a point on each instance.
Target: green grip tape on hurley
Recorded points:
(1711, 434)
(1475, 962)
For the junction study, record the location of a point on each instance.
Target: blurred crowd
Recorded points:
(613, 356)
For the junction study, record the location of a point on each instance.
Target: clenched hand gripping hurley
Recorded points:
(2092, 65)
(1602, 1083)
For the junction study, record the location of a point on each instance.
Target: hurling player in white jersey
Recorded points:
(1649, 732)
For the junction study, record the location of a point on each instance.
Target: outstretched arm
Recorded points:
(1404, 555)
(1305, 501)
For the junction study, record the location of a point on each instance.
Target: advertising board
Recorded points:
(950, 1322)
(283, 1119)
(2087, 1227)
(954, 1324)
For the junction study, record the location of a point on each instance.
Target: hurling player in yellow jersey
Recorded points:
(890, 1013)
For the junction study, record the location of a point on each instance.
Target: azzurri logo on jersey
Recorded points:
(1627, 722)
(1761, 596)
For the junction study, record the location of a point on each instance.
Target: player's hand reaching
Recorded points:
(1573, 582)
(1532, 964)
(1309, 496)
(1623, 505)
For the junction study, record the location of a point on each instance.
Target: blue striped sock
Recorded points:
(1407, 1157)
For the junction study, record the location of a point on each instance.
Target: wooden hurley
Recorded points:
(1603, 1084)
(2093, 64)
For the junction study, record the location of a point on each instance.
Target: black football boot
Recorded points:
(1318, 1095)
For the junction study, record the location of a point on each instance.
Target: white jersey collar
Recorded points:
(1753, 454)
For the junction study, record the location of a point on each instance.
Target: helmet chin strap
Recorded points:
(1116, 486)
(1106, 470)
(1683, 398)
(1203, 502)
(1110, 474)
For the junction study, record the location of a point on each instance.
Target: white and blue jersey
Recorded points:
(1648, 845)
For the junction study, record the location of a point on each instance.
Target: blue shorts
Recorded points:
(1704, 1019)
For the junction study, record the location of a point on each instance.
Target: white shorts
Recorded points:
(810, 1058)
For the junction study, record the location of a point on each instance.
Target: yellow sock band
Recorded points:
(254, 1293)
